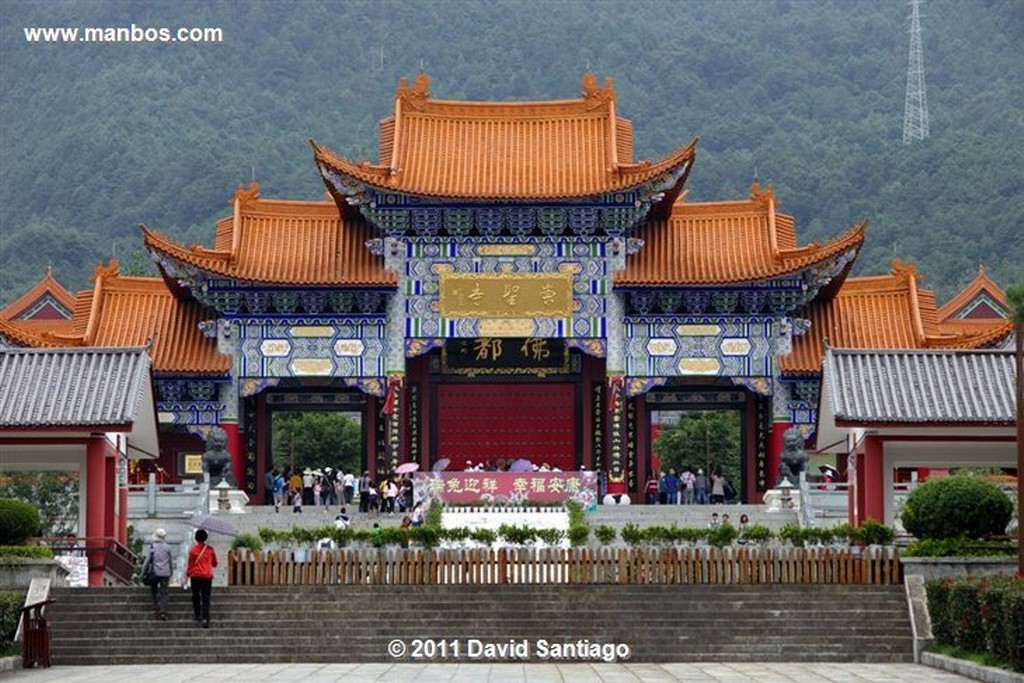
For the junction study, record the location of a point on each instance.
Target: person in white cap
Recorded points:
(161, 560)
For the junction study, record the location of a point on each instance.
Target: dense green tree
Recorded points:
(708, 440)
(53, 494)
(97, 138)
(319, 439)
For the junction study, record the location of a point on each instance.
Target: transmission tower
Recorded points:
(915, 113)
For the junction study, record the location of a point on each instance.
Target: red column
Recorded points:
(871, 475)
(122, 517)
(110, 494)
(95, 495)
(235, 449)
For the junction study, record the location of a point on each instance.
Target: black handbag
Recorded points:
(149, 577)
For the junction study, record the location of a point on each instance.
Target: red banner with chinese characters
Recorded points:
(464, 488)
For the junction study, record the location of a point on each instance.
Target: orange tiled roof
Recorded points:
(284, 242)
(976, 333)
(879, 312)
(18, 333)
(47, 286)
(722, 242)
(979, 286)
(129, 311)
(505, 150)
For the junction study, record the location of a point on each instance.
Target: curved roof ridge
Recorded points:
(981, 283)
(48, 285)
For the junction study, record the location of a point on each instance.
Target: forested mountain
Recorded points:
(805, 94)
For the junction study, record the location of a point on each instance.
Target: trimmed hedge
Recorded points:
(957, 506)
(985, 615)
(10, 606)
(30, 552)
(18, 521)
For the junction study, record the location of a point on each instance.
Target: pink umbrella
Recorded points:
(407, 467)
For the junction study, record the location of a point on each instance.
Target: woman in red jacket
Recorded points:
(201, 561)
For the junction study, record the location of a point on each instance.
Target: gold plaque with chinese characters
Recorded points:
(505, 295)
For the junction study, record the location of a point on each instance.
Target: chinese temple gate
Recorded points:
(506, 281)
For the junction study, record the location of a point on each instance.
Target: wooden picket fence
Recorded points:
(494, 566)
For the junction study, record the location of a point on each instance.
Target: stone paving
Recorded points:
(493, 673)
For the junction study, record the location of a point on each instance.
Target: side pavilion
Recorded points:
(928, 408)
(86, 410)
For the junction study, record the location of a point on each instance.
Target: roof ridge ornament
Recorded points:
(760, 196)
(103, 272)
(904, 271)
(594, 95)
(246, 196)
(417, 94)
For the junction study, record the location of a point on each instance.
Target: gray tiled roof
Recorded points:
(958, 387)
(71, 387)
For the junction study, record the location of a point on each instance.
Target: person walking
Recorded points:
(700, 487)
(364, 491)
(161, 560)
(687, 482)
(201, 561)
(268, 486)
(717, 488)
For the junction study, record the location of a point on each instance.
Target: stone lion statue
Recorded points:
(217, 459)
(794, 458)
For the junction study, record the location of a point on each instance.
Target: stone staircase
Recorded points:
(355, 623)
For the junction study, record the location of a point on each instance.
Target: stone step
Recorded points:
(343, 623)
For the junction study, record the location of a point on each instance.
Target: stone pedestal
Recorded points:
(224, 498)
(782, 498)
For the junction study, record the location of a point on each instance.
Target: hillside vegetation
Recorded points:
(98, 138)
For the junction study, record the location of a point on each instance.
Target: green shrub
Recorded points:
(872, 532)
(965, 616)
(10, 608)
(935, 547)
(722, 536)
(938, 609)
(426, 536)
(1013, 625)
(31, 552)
(993, 616)
(757, 533)
(579, 534)
(576, 513)
(484, 536)
(632, 534)
(458, 534)
(957, 506)
(18, 521)
(657, 535)
(793, 534)
(605, 534)
(515, 534)
(393, 535)
(845, 532)
(433, 516)
(249, 541)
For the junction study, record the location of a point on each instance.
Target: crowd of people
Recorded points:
(688, 488)
(329, 487)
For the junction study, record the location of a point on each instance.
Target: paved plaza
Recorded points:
(494, 673)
